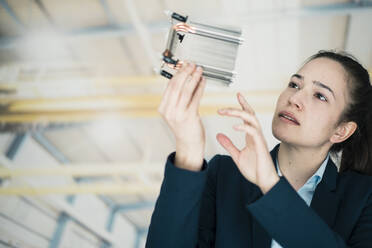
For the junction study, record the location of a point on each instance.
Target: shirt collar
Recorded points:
(316, 177)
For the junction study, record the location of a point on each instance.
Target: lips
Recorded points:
(289, 116)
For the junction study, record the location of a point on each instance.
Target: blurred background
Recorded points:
(82, 145)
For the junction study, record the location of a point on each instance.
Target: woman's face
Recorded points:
(308, 110)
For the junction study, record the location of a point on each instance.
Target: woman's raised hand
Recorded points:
(254, 160)
(180, 109)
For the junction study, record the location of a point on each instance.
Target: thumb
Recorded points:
(229, 146)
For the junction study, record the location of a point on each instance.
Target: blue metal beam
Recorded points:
(105, 244)
(134, 206)
(333, 9)
(110, 221)
(10, 154)
(109, 225)
(10, 12)
(114, 209)
(106, 8)
(338, 8)
(44, 10)
(47, 145)
(139, 235)
(51, 149)
(63, 218)
(161, 26)
(124, 208)
(113, 23)
(120, 208)
(22, 225)
(15, 145)
(58, 232)
(7, 245)
(114, 31)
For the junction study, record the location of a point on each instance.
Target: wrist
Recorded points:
(189, 158)
(187, 163)
(269, 183)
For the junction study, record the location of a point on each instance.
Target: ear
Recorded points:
(343, 131)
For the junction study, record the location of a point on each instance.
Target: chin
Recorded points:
(296, 139)
(278, 135)
(285, 137)
(281, 133)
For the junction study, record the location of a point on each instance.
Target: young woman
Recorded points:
(293, 197)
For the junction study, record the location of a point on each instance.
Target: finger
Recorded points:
(197, 96)
(189, 88)
(168, 90)
(177, 83)
(252, 135)
(244, 103)
(229, 146)
(251, 131)
(245, 116)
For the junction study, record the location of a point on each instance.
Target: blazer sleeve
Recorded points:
(293, 224)
(175, 220)
(362, 233)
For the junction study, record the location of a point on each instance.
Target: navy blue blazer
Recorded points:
(218, 207)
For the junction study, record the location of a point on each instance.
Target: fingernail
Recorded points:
(222, 111)
(237, 126)
(198, 68)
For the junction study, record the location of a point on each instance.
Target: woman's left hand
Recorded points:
(254, 160)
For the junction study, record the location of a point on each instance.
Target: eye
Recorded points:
(321, 97)
(293, 85)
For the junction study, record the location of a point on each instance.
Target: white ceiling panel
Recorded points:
(359, 38)
(5, 141)
(71, 14)
(141, 218)
(115, 141)
(149, 11)
(30, 15)
(108, 57)
(8, 26)
(321, 2)
(321, 33)
(75, 145)
(269, 54)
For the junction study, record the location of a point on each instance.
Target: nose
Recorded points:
(297, 100)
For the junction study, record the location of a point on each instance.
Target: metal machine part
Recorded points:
(213, 48)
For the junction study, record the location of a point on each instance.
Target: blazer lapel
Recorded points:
(260, 238)
(249, 193)
(325, 201)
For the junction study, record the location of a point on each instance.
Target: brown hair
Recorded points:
(357, 149)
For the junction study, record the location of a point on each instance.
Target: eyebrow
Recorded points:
(320, 84)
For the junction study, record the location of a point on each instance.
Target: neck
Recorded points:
(298, 164)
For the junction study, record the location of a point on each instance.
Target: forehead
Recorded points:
(327, 71)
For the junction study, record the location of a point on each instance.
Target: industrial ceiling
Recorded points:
(77, 79)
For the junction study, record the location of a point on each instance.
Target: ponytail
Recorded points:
(357, 149)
